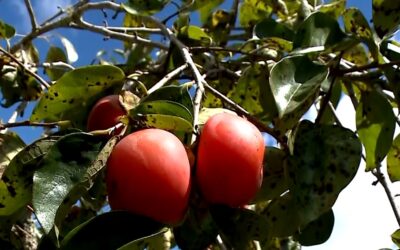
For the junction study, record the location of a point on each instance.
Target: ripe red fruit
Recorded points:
(148, 173)
(105, 113)
(229, 160)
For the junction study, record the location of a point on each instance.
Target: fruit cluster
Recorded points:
(149, 172)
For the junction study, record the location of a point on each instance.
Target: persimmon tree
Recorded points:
(268, 61)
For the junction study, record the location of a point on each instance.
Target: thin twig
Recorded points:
(167, 78)
(74, 14)
(56, 65)
(28, 123)
(135, 29)
(12, 57)
(31, 14)
(382, 180)
(118, 35)
(369, 66)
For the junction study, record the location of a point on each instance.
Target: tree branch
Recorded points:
(167, 77)
(31, 14)
(28, 123)
(382, 180)
(36, 76)
(117, 35)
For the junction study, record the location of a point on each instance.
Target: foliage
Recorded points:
(269, 61)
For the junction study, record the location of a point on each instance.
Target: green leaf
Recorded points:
(55, 54)
(356, 23)
(375, 123)
(166, 122)
(393, 160)
(253, 92)
(334, 8)
(194, 33)
(162, 107)
(17, 180)
(109, 231)
(253, 11)
(274, 180)
(240, 226)
(295, 82)
(63, 169)
(144, 7)
(282, 217)
(75, 92)
(385, 17)
(319, 29)
(317, 231)
(179, 94)
(271, 28)
(325, 159)
(396, 237)
(10, 145)
(197, 231)
(6, 30)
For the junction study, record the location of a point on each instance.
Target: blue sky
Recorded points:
(363, 216)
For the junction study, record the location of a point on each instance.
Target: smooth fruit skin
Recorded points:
(148, 173)
(229, 160)
(105, 113)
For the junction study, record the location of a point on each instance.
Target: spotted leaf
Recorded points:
(72, 96)
(385, 16)
(325, 159)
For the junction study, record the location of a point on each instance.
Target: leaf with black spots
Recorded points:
(385, 17)
(375, 123)
(317, 231)
(62, 172)
(325, 159)
(72, 96)
(355, 22)
(333, 8)
(253, 92)
(17, 180)
(274, 180)
(162, 107)
(10, 145)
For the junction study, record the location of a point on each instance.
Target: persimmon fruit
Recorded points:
(105, 113)
(229, 160)
(148, 173)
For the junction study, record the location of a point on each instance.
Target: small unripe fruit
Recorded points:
(148, 173)
(105, 113)
(229, 160)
